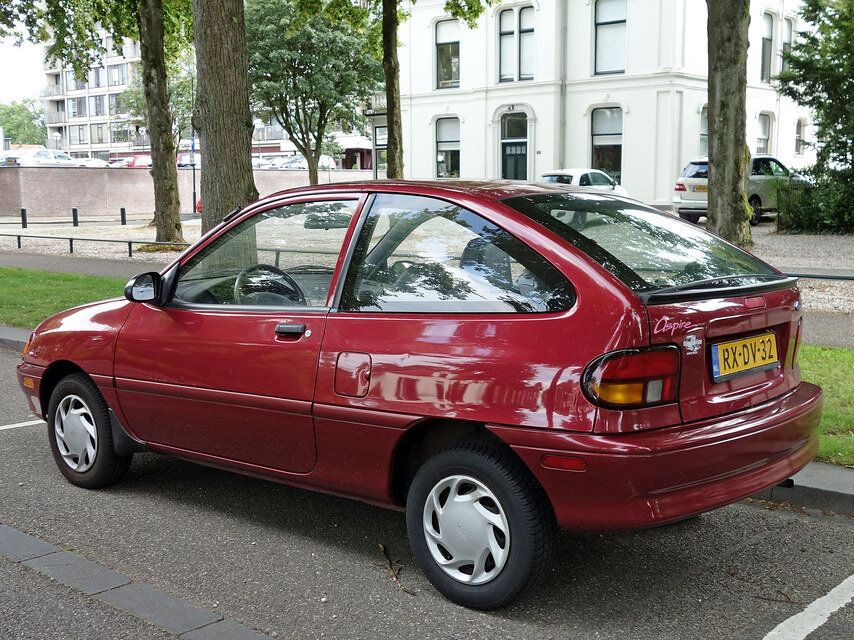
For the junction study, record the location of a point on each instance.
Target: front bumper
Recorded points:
(643, 479)
(29, 379)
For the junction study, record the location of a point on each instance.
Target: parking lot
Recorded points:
(294, 564)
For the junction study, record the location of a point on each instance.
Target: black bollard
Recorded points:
(23, 218)
(123, 216)
(74, 216)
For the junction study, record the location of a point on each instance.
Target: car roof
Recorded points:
(570, 172)
(495, 190)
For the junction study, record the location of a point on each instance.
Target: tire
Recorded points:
(693, 218)
(82, 445)
(756, 216)
(514, 500)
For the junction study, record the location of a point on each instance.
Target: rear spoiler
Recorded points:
(705, 293)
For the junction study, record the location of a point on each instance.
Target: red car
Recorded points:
(494, 358)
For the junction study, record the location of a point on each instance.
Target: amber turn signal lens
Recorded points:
(633, 378)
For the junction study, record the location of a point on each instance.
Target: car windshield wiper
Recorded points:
(699, 284)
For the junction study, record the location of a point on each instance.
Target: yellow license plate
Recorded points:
(701, 188)
(757, 353)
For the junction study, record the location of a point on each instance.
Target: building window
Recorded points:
(763, 139)
(118, 74)
(72, 83)
(77, 107)
(447, 54)
(116, 106)
(97, 77)
(610, 18)
(704, 131)
(607, 128)
(788, 34)
(516, 44)
(448, 148)
(800, 145)
(97, 107)
(767, 41)
(514, 146)
(79, 134)
(99, 133)
(119, 132)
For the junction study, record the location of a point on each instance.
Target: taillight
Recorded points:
(680, 187)
(797, 344)
(633, 378)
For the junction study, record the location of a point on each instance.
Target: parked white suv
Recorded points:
(691, 193)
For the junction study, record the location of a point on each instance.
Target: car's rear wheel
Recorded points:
(80, 435)
(756, 213)
(693, 218)
(480, 526)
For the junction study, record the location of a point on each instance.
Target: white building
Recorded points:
(619, 85)
(87, 119)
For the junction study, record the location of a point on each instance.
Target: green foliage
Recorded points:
(309, 67)
(830, 368)
(820, 75)
(23, 122)
(823, 205)
(181, 74)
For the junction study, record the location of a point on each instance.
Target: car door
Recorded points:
(227, 368)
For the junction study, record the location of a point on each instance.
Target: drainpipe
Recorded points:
(563, 7)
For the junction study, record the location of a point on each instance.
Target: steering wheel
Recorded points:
(289, 289)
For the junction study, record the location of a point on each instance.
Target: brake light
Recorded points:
(633, 378)
(680, 187)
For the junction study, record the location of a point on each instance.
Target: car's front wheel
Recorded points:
(80, 435)
(480, 526)
(756, 210)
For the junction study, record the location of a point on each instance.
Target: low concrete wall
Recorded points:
(53, 191)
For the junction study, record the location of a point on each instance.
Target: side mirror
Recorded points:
(613, 184)
(145, 287)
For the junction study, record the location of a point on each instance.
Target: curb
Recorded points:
(14, 338)
(821, 486)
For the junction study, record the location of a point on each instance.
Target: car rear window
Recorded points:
(645, 248)
(696, 170)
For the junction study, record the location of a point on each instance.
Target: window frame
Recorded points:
(502, 141)
(347, 273)
(704, 135)
(515, 36)
(766, 55)
(340, 268)
(768, 150)
(438, 142)
(593, 136)
(450, 84)
(800, 128)
(596, 25)
(786, 42)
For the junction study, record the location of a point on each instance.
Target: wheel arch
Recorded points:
(424, 438)
(55, 372)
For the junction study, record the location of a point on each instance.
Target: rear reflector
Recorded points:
(633, 378)
(564, 463)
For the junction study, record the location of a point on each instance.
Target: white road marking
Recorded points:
(799, 626)
(21, 424)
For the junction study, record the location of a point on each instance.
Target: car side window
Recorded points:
(761, 167)
(778, 170)
(61, 156)
(280, 257)
(424, 255)
(42, 154)
(584, 180)
(599, 179)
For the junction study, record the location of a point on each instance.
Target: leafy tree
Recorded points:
(308, 71)
(392, 13)
(180, 90)
(72, 27)
(820, 76)
(23, 122)
(729, 157)
(222, 117)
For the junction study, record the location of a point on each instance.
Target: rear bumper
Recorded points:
(649, 478)
(689, 206)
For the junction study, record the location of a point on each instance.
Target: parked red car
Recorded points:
(494, 358)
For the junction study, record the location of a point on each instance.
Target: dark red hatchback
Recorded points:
(496, 358)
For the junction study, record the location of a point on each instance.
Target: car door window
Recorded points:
(425, 255)
(280, 257)
(42, 154)
(599, 179)
(61, 156)
(584, 180)
(761, 167)
(778, 170)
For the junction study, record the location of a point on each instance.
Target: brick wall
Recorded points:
(53, 191)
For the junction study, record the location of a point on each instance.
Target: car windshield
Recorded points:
(646, 249)
(696, 170)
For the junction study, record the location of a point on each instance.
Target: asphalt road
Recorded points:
(295, 564)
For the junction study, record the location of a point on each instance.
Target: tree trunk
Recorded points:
(391, 67)
(311, 159)
(222, 117)
(164, 172)
(729, 158)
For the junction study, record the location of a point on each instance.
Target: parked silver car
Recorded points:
(691, 193)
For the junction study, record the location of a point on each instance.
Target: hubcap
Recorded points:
(466, 530)
(76, 435)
